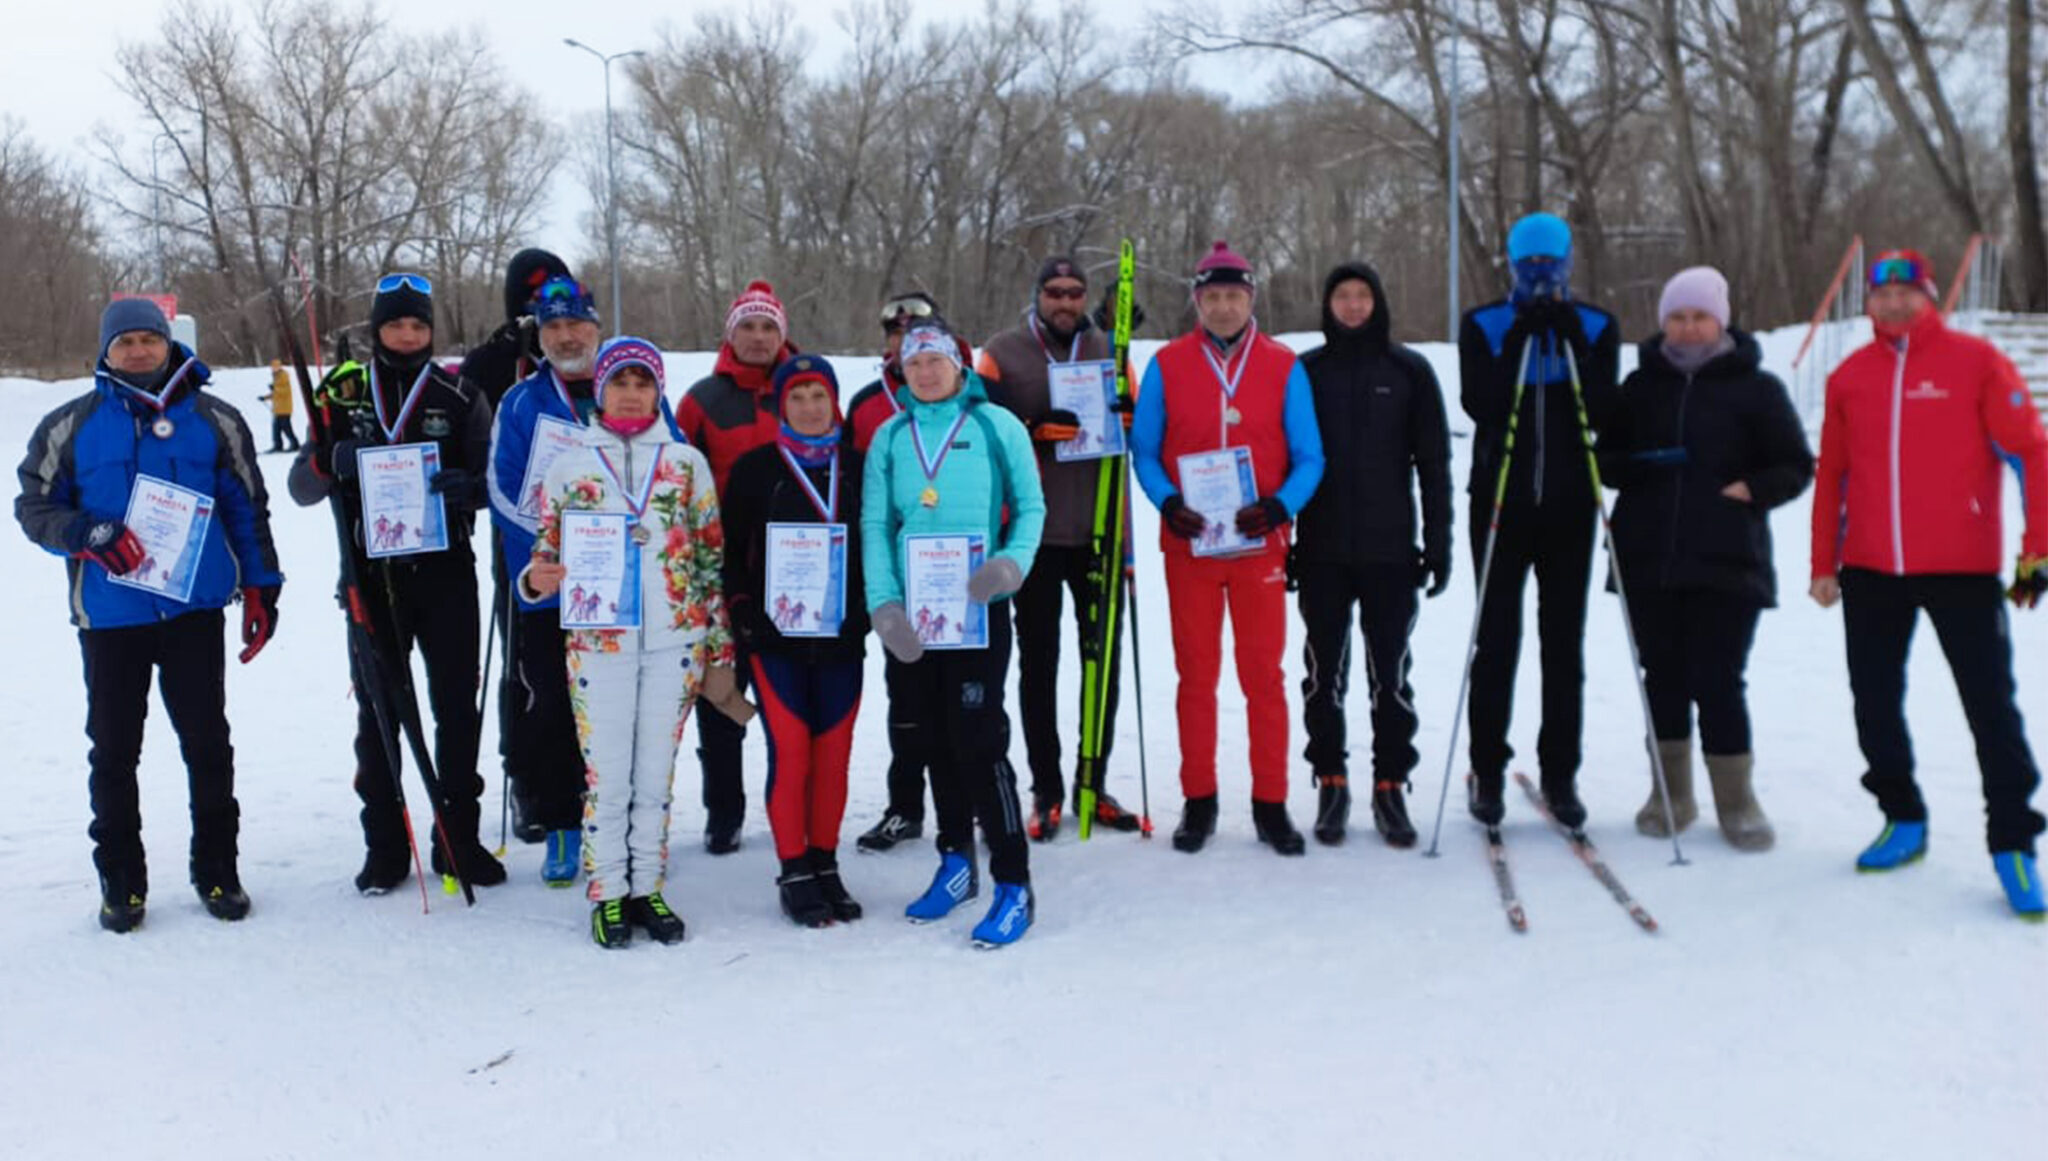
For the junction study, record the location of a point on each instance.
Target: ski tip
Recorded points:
(449, 886)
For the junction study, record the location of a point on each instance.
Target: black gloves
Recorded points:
(1105, 314)
(464, 490)
(338, 463)
(1433, 568)
(1261, 518)
(1056, 426)
(1180, 519)
(1554, 316)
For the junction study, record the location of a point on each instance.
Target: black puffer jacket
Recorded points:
(1381, 415)
(1675, 441)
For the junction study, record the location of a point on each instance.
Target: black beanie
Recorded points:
(1060, 266)
(401, 302)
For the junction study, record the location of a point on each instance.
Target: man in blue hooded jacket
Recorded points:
(148, 429)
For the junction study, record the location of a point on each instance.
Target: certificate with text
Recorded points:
(1217, 484)
(1089, 391)
(551, 438)
(806, 587)
(935, 572)
(401, 514)
(602, 588)
(171, 522)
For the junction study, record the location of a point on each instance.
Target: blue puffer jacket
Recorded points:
(81, 467)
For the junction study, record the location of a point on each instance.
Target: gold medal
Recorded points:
(1230, 415)
(929, 498)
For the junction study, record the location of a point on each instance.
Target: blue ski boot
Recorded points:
(1008, 918)
(956, 882)
(1900, 843)
(564, 858)
(2021, 878)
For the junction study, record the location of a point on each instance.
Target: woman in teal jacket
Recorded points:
(951, 513)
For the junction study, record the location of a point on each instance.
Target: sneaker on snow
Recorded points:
(2021, 878)
(564, 859)
(652, 912)
(1333, 808)
(1044, 824)
(802, 901)
(383, 870)
(1390, 814)
(1009, 917)
(1898, 844)
(957, 881)
(608, 926)
(1483, 797)
(893, 829)
(1197, 823)
(1111, 813)
(1275, 829)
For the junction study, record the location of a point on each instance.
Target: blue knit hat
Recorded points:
(131, 314)
(1539, 236)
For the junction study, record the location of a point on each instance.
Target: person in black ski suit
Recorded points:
(1548, 515)
(1703, 445)
(403, 397)
(1381, 414)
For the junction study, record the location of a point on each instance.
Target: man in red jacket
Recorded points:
(1906, 517)
(725, 415)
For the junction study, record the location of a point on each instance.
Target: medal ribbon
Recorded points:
(412, 398)
(828, 504)
(161, 399)
(637, 504)
(1243, 359)
(1073, 348)
(929, 465)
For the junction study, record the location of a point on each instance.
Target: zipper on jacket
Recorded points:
(1898, 420)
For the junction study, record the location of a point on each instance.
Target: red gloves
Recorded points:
(259, 619)
(111, 545)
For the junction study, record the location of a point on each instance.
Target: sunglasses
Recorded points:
(392, 282)
(1904, 271)
(1064, 293)
(897, 312)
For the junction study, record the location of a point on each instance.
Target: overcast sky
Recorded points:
(56, 57)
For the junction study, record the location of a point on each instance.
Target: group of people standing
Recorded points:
(1271, 473)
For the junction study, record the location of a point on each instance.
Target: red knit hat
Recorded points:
(1222, 266)
(757, 301)
(1909, 267)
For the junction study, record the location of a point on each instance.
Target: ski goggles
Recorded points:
(562, 297)
(897, 313)
(1899, 269)
(393, 282)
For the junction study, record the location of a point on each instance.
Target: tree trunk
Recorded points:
(2032, 242)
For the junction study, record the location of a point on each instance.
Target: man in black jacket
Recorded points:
(1381, 415)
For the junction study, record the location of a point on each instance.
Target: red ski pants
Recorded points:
(809, 708)
(1254, 589)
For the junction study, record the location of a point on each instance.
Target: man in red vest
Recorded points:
(1225, 443)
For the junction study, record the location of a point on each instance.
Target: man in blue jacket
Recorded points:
(147, 446)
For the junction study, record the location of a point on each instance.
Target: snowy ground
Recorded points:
(1360, 1002)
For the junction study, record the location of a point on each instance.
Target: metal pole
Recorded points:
(156, 213)
(611, 208)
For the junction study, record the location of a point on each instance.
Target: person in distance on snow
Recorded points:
(1906, 517)
(1224, 385)
(727, 414)
(147, 423)
(807, 673)
(403, 397)
(950, 464)
(1015, 367)
(1702, 445)
(1381, 417)
(280, 399)
(632, 687)
(1549, 513)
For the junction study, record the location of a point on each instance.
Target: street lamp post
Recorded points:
(156, 212)
(611, 169)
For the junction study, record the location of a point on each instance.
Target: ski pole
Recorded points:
(1635, 656)
(1138, 679)
(1500, 491)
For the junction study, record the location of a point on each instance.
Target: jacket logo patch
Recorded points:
(963, 445)
(1926, 389)
(435, 423)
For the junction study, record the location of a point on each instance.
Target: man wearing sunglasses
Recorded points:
(402, 397)
(1016, 366)
(1906, 506)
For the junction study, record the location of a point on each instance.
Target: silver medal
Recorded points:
(640, 533)
(1230, 415)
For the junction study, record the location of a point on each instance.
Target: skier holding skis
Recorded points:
(1221, 386)
(149, 431)
(1016, 367)
(1906, 516)
(807, 674)
(953, 466)
(1526, 346)
(402, 397)
(632, 686)
(1704, 443)
(1381, 417)
(727, 414)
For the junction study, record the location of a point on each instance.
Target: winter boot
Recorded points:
(801, 900)
(1390, 813)
(479, 866)
(1009, 917)
(1197, 823)
(2021, 878)
(825, 865)
(651, 912)
(893, 829)
(1742, 820)
(220, 889)
(121, 906)
(564, 859)
(1676, 757)
(958, 880)
(1111, 813)
(1562, 797)
(722, 835)
(608, 925)
(526, 827)
(1898, 844)
(1333, 808)
(1044, 824)
(1275, 829)
(1483, 797)
(384, 868)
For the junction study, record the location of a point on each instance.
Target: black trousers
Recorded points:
(1695, 648)
(1555, 541)
(1385, 598)
(1878, 615)
(1055, 571)
(543, 755)
(948, 706)
(281, 433)
(719, 740)
(906, 758)
(434, 607)
(188, 657)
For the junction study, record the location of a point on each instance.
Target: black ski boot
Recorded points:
(884, 835)
(1333, 808)
(825, 865)
(651, 912)
(1275, 829)
(1390, 814)
(1044, 824)
(1483, 797)
(384, 868)
(722, 835)
(1197, 823)
(609, 928)
(220, 889)
(526, 824)
(121, 905)
(479, 866)
(802, 900)
(1562, 797)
